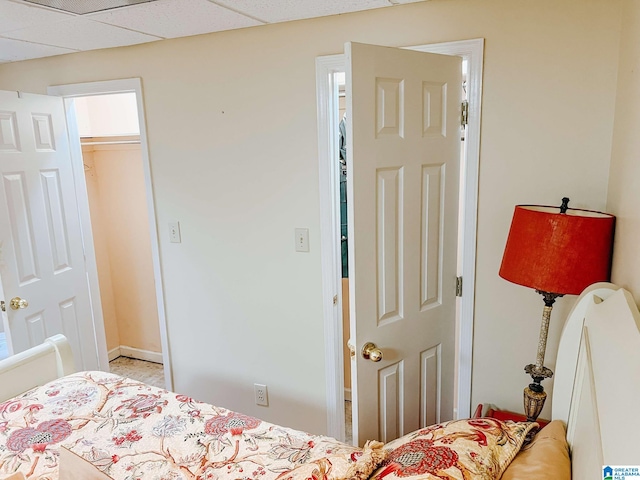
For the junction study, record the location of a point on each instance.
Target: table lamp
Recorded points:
(557, 251)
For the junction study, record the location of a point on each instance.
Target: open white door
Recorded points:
(41, 252)
(403, 158)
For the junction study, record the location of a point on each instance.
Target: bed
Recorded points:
(55, 424)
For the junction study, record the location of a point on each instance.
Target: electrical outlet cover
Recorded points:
(261, 394)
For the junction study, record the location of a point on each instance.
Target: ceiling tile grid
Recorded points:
(82, 7)
(159, 18)
(80, 34)
(14, 16)
(33, 31)
(16, 50)
(273, 11)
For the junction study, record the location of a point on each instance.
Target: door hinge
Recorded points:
(335, 299)
(458, 286)
(464, 117)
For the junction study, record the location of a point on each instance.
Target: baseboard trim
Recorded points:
(137, 353)
(113, 353)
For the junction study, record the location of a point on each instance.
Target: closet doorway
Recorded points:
(112, 160)
(119, 227)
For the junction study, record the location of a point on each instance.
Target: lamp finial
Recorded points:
(565, 205)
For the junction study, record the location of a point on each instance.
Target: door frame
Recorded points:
(68, 93)
(327, 103)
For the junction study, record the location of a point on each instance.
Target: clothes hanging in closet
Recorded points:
(342, 142)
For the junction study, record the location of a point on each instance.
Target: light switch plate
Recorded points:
(174, 232)
(302, 239)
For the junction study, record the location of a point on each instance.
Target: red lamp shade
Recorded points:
(558, 252)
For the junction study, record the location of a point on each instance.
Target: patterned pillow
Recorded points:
(473, 449)
(357, 465)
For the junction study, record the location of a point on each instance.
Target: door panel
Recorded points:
(403, 214)
(429, 385)
(56, 222)
(389, 193)
(41, 256)
(9, 140)
(431, 233)
(391, 407)
(21, 227)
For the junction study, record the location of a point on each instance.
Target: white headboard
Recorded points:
(600, 351)
(35, 366)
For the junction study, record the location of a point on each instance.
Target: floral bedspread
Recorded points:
(130, 430)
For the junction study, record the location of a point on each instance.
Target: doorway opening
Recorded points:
(329, 77)
(115, 199)
(112, 160)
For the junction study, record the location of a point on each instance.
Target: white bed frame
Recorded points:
(36, 366)
(596, 387)
(597, 380)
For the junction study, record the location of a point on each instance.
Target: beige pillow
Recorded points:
(15, 476)
(545, 458)
(74, 467)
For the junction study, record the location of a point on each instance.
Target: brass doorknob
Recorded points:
(371, 352)
(17, 303)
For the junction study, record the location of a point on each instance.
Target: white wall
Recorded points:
(231, 119)
(624, 195)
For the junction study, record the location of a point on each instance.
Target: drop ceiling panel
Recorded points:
(15, 50)
(82, 7)
(81, 34)
(14, 16)
(159, 18)
(284, 10)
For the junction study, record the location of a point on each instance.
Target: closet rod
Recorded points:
(111, 142)
(110, 139)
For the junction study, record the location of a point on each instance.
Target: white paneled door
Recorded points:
(403, 163)
(41, 253)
